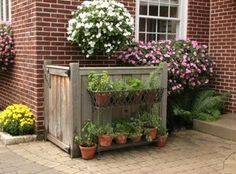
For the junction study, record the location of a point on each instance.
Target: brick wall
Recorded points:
(19, 84)
(198, 20)
(223, 47)
(40, 32)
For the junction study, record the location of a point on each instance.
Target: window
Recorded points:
(160, 19)
(5, 10)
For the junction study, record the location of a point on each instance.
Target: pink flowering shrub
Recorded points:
(7, 47)
(188, 63)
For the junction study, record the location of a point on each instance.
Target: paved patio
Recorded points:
(187, 152)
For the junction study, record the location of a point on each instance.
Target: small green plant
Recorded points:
(121, 128)
(105, 130)
(205, 105)
(153, 81)
(162, 131)
(119, 85)
(149, 119)
(99, 82)
(89, 132)
(135, 128)
(134, 84)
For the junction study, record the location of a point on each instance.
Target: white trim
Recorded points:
(4, 11)
(137, 20)
(9, 6)
(181, 32)
(183, 14)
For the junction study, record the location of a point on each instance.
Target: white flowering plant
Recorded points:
(101, 27)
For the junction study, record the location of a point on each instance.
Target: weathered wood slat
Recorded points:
(118, 70)
(68, 104)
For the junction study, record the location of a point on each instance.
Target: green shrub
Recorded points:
(17, 119)
(203, 105)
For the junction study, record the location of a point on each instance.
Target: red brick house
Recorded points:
(40, 33)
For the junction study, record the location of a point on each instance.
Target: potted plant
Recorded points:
(100, 85)
(121, 132)
(105, 135)
(163, 135)
(150, 122)
(151, 85)
(136, 132)
(86, 141)
(134, 86)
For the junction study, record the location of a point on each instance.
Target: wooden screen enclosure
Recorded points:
(67, 103)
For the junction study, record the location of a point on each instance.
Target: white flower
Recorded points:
(88, 25)
(100, 21)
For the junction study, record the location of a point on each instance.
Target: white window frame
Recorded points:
(4, 8)
(182, 19)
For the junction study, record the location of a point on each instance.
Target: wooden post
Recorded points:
(74, 107)
(46, 97)
(164, 81)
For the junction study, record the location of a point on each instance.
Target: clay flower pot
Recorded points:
(102, 98)
(152, 133)
(88, 152)
(162, 141)
(121, 139)
(136, 139)
(105, 140)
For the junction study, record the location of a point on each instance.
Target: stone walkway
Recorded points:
(187, 152)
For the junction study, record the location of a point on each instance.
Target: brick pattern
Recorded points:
(198, 20)
(223, 47)
(40, 33)
(187, 152)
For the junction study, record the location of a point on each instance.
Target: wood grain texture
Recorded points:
(69, 105)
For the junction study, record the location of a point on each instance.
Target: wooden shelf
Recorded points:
(129, 144)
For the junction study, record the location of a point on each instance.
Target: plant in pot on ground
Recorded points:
(121, 132)
(105, 135)
(150, 123)
(163, 135)
(86, 141)
(101, 85)
(135, 130)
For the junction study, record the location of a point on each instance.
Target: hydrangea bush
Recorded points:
(188, 63)
(7, 46)
(100, 27)
(17, 119)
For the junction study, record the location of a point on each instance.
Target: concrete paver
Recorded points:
(187, 152)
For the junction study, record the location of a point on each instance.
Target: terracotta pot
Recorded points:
(136, 139)
(88, 152)
(152, 133)
(105, 140)
(162, 141)
(121, 139)
(102, 98)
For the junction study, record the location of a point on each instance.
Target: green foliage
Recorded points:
(135, 128)
(122, 128)
(119, 85)
(99, 82)
(105, 129)
(162, 131)
(17, 119)
(149, 119)
(153, 80)
(134, 84)
(89, 132)
(203, 105)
